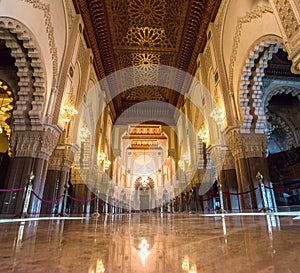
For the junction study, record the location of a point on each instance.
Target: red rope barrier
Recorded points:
(47, 201)
(284, 188)
(80, 200)
(11, 190)
(239, 193)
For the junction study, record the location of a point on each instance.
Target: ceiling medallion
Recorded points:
(146, 61)
(146, 37)
(145, 67)
(147, 13)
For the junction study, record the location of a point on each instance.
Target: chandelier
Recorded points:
(101, 157)
(68, 110)
(107, 164)
(5, 108)
(218, 115)
(100, 267)
(181, 164)
(144, 181)
(187, 267)
(203, 134)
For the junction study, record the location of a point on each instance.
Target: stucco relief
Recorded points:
(37, 144)
(37, 4)
(246, 145)
(288, 12)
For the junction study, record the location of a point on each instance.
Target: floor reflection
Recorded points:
(152, 243)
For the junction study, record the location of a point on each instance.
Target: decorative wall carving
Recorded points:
(254, 14)
(62, 157)
(288, 12)
(36, 144)
(144, 93)
(246, 145)
(49, 29)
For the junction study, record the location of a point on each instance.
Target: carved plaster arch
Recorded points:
(286, 128)
(291, 135)
(251, 83)
(279, 90)
(31, 94)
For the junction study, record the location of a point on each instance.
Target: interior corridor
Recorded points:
(152, 242)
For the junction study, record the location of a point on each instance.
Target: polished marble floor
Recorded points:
(157, 243)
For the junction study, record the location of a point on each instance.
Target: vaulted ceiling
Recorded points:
(142, 34)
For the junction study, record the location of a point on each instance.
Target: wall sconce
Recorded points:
(203, 134)
(218, 115)
(68, 110)
(84, 132)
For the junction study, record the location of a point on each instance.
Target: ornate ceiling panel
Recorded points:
(143, 34)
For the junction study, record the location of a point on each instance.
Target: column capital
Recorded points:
(36, 144)
(62, 157)
(245, 145)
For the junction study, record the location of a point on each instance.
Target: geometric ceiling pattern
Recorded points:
(142, 34)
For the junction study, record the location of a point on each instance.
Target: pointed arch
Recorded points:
(251, 83)
(31, 94)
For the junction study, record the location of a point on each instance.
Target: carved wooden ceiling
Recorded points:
(141, 34)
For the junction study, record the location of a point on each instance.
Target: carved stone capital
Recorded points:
(244, 145)
(36, 144)
(62, 157)
(217, 153)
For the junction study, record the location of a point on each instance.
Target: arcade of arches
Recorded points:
(149, 105)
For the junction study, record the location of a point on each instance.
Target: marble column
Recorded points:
(57, 176)
(30, 152)
(249, 152)
(227, 176)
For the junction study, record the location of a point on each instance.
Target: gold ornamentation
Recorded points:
(147, 37)
(146, 60)
(145, 93)
(147, 13)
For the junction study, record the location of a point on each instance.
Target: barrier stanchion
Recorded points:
(265, 207)
(221, 210)
(27, 195)
(96, 212)
(65, 200)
